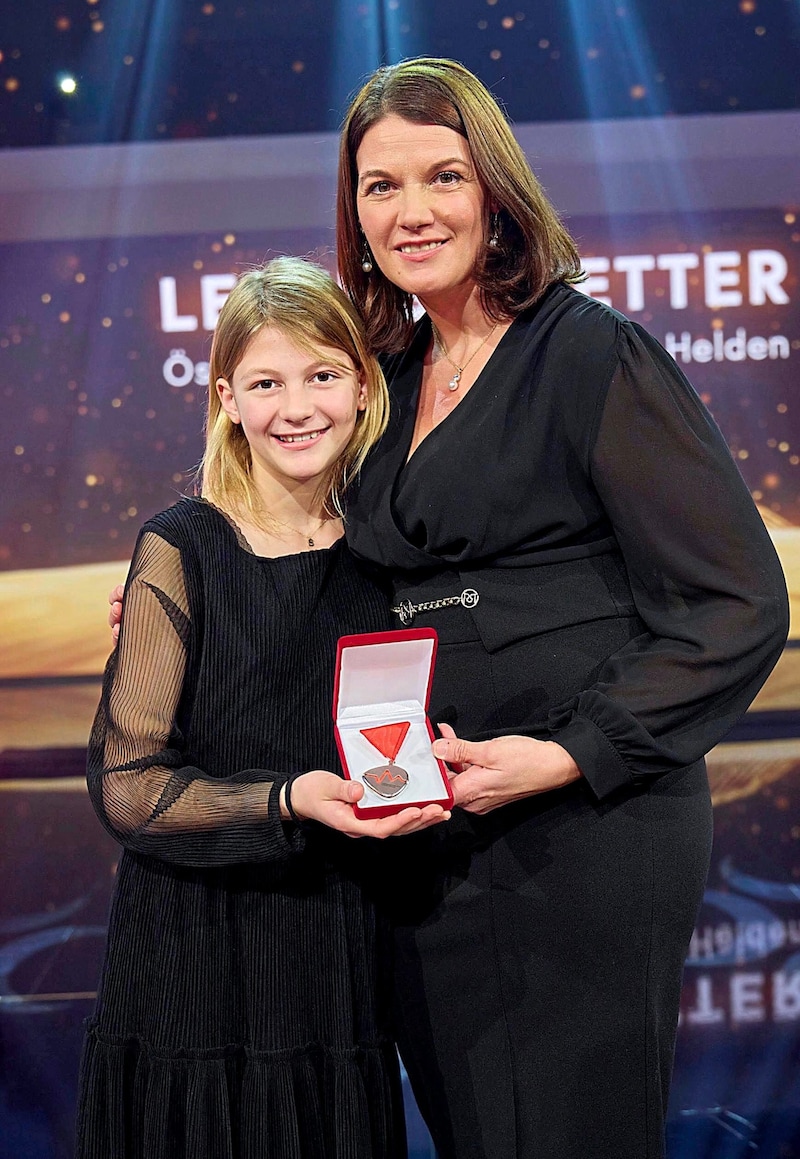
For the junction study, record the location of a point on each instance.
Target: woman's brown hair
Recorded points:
(534, 247)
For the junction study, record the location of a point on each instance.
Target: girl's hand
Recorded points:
(115, 614)
(322, 796)
(490, 773)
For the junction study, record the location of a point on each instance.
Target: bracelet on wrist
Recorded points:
(287, 798)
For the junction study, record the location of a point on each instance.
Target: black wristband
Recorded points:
(287, 798)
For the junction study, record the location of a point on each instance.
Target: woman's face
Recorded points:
(421, 207)
(297, 409)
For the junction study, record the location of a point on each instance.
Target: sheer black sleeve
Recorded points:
(145, 794)
(705, 577)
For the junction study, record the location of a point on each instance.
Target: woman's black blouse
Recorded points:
(581, 480)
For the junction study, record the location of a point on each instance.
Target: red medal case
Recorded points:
(383, 680)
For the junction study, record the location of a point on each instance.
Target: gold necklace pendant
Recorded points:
(304, 534)
(454, 382)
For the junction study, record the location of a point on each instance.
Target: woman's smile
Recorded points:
(420, 248)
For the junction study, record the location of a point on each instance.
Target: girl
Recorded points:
(241, 1010)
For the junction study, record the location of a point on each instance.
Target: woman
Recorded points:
(552, 497)
(242, 1010)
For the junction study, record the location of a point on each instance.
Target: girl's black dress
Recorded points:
(629, 605)
(242, 1007)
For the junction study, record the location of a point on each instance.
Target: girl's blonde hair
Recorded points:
(300, 299)
(534, 247)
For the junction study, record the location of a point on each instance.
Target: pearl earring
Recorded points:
(366, 260)
(494, 237)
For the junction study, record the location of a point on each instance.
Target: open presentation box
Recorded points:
(380, 712)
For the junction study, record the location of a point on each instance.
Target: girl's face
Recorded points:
(297, 409)
(421, 207)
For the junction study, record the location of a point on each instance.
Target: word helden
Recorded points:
(719, 348)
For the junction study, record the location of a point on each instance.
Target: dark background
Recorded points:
(166, 69)
(94, 439)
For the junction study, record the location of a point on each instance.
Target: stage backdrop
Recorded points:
(114, 262)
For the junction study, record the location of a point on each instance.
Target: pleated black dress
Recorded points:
(242, 1007)
(629, 605)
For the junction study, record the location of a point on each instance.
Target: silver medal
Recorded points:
(386, 780)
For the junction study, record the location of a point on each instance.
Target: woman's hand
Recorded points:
(115, 614)
(322, 796)
(490, 773)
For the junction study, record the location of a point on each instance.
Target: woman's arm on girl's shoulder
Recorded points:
(115, 597)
